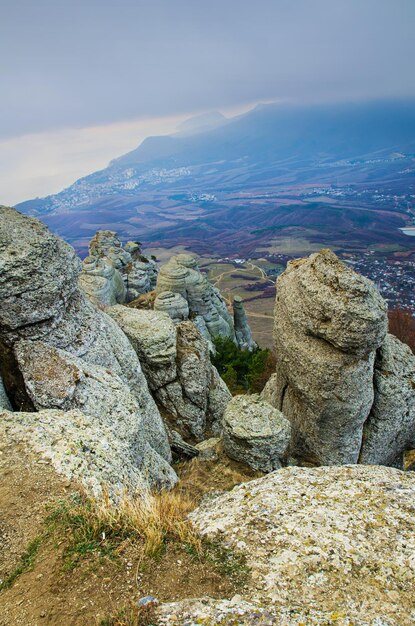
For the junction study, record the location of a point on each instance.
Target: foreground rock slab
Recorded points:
(71, 442)
(332, 543)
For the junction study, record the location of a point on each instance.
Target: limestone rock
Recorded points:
(38, 273)
(173, 304)
(101, 282)
(255, 433)
(209, 449)
(329, 322)
(242, 331)
(390, 427)
(137, 271)
(153, 336)
(84, 448)
(56, 380)
(40, 301)
(313, 539)
(181, 276)
(176, 362)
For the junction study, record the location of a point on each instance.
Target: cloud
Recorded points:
(89, 62)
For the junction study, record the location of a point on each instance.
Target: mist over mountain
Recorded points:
(246, 179)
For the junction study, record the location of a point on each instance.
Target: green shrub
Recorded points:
(243, 371)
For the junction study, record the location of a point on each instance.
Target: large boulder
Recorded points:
(175, 359)
(329, 322)
(85, 448)
(40, 301)
(153, 337)
(255, 433)
(390, 427)
(324, 545)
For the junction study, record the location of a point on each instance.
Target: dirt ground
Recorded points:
(47, 594)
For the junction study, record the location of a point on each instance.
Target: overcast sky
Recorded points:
(83, 81)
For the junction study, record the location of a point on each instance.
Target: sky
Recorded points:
(83, 81)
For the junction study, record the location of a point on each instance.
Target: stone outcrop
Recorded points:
(205, 305)
(108, 262)
(324, 545)
(329, 322)
(40, 301)
(176, 362)
(390, 427)
(255, 433)
(242, 331)
(85, 448)
(173, 304)
(102, 283)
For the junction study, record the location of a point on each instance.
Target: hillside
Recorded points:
(338, 175)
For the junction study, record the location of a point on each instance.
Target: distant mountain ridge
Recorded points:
(179, 182)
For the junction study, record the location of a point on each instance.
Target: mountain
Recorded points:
(339, 175)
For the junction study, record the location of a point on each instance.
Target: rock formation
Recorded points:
(173, 304)
(108, 262)
(242, 331)
(390, 427)
(255, 433)
(43, 312)
(347, 388)
(325, 545)
(176, 362)
(84, 448)
(180, 282)
(102, 283)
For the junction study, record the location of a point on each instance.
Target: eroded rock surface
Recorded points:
(329, 322)
(182, 277)
(176, 362)
(242, 331)
(40, 302)
(85, 448)
(112, 262)
(390, 427)
(255, 433)
(330, 544)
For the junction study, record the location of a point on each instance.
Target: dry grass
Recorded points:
(98, 526)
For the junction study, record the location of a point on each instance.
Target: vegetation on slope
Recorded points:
(243, 371)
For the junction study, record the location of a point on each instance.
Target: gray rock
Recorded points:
(102, 283)
(312, 538)
(56, 380)
(84, 448)
(329, 322)
(181, 276)
(390, 427)
(40, 301)
(153, 336)
(173, 304)
(242, 330)
(255, 433)
(137, 271)
(209, 449)
(176, 362)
